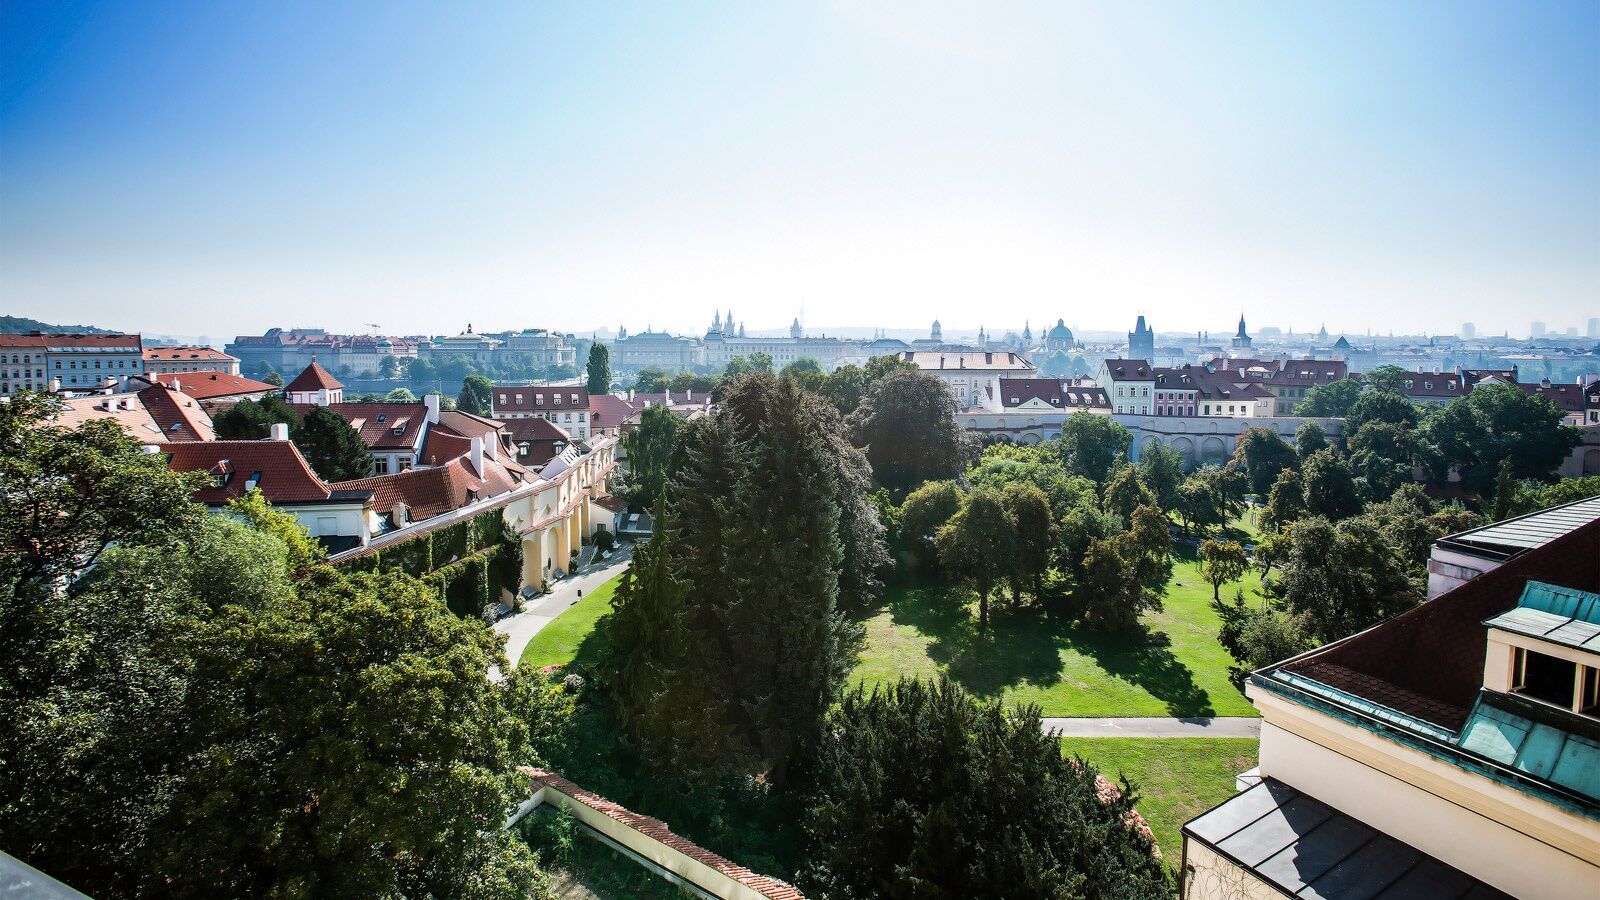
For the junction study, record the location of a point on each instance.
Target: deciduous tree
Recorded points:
(1091, 445)
(907, 426)
(1329, 487)
(1261, 455)
(978, 545)
(475, 395)
(1222, 562)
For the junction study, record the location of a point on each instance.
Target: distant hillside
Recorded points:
(20, 325)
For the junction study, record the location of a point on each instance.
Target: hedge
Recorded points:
(468, 562)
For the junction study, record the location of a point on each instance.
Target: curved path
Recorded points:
(520, 628)
(1155, 727)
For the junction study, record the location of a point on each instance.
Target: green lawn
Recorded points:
(1176, 778)
(1175, 667)
(573, 635)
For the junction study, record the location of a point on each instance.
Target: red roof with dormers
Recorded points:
(314, 378)
(1060, 393)
(211, 385)
(276, 467)
(382, 426)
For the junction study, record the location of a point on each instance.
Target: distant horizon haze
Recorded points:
(195, 168)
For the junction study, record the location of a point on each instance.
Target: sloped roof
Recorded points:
(377, 422)
(1306, 848)
(184, 354)
(1128, 369)
(528, 398)
(314, 378)
(212, 385)
(1428, 661)
(276, 467)
(436, 490)
(610, 411)
(179, 415)
(1566, 397)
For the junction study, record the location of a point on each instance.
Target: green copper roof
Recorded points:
(1550, 613)
(1544, 750)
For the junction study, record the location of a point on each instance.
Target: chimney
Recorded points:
(668, 395)
(688, 396)
(477, 456)
(55, 385)
(279, 431)
(630, 395)
(431, 401)
(177, 385)
(399, 514)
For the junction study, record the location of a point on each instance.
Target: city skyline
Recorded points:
(186, 169)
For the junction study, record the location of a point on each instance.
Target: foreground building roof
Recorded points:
(214, 385)
(275, 467)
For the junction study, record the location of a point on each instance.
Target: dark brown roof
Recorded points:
(377, 422)
(276, 467)
(1433, 385)
(1125, 369)
(1060, 393)
(211, 385)
(1566, 397)
(536, 430)
(657, 830)
(313, 378)
(1428, 662)
(512, 398)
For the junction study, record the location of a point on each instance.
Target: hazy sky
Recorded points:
(223, 167)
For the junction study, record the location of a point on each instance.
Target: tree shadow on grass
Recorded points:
(1144, 658)
(1023, 645)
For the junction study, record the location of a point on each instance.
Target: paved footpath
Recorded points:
(519, 629)
(1156, 727)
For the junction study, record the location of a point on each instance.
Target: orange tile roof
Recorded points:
(657, 830)
(277, 467)
(436, 490)
(314, 378)
(376, 422)
(211, 385)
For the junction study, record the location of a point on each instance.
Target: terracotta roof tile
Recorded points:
(313, 378)
(276, 467)
(183, 354)
(178, 415)
(211, 385)
(377, 422)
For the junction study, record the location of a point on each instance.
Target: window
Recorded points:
(380, 465)
(1544, 677)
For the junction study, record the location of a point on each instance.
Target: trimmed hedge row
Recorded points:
(468, 562)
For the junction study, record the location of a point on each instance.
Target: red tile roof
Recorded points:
(313, 378)
(180, 354)
(444, 444)
(657, 830)
(93, 340)
(276, 467)
(376, 422)
(178, 415)
(211, 385)
(609, 411)
(440, 489)
(611, 503)
(22, 340)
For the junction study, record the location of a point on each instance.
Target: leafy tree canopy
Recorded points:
(333, 448)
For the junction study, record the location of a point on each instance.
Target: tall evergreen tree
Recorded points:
(599, 369)
(923, 792)
(334, 449)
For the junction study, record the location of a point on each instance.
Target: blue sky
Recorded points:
(206, 168)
